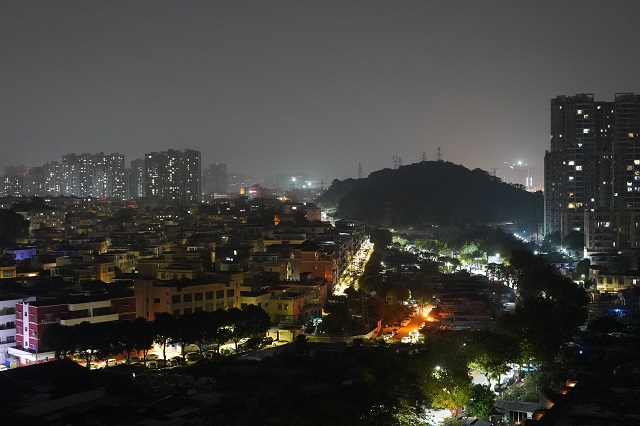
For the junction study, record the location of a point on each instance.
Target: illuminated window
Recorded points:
(599, 106)
(579, 111)
(629, 167)
(578, 167)
(570, 178)
(586, 116)
(579, 145)
(637, 162)
(631, 135)
(571, 163)
(571, 206)
(585, 130)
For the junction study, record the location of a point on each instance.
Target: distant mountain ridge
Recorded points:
(433, 193)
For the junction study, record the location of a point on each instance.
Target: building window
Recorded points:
(175, 299)
(32, 317)
(219, 294)
(32, 333)
(156, 300)
(47, 317)
(208, 295)
(198, 297)
(229, 293)
(186, 298)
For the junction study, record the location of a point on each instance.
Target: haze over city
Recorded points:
(318, 87)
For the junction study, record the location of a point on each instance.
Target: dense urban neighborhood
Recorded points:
(336, 213)
(219, 311)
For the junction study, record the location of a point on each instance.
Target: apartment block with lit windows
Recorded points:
(593, 165)
(173, 175)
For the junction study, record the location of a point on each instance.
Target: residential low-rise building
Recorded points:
(182, 297)
(33, 317)
(7, 328)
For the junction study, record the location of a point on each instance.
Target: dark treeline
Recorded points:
(432, 193)
(102, 340)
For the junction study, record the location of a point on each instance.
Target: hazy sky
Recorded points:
(310, 86)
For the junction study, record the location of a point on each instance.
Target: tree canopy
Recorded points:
(12, 226)
(433, 193)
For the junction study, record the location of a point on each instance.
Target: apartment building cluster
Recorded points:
(171, 175)
(176, 258)
(592, 171)
(592, 185)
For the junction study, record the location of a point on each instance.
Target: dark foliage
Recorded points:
(12, 226)
(432, 192)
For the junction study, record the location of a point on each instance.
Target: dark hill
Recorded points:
(433, 193)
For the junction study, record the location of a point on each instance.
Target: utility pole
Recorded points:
(439, 156)
(494, 170)
(359, 170)
(424, 157)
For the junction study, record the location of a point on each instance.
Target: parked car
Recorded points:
(153, 365)
(227, 351)
(193, 356)
(405, 339)
(176, 361)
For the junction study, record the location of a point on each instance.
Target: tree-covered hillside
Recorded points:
(433, 193)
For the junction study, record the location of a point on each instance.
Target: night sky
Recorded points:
(300, 86)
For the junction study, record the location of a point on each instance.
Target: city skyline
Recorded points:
(318, 88)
